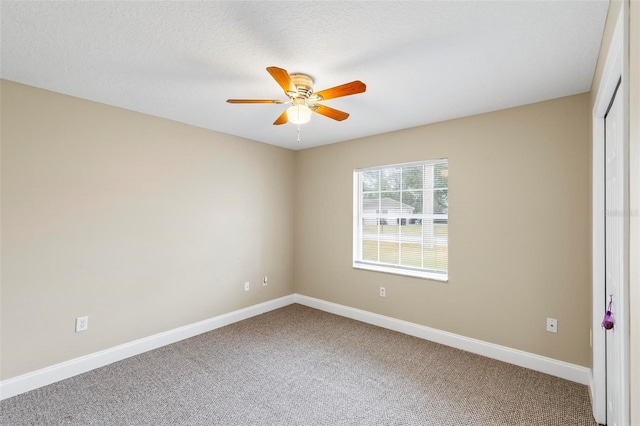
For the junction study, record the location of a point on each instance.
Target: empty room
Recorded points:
(320, 213)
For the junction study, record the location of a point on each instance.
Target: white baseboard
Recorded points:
(551, 366)
(55, 373)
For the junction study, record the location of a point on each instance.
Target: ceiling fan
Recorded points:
(304, 101)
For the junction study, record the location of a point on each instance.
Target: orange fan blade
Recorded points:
(330, 112)
(254, 101)
(282, 77)
(347, 89)
(282, 119)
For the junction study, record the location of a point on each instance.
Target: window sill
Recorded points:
(401, 271)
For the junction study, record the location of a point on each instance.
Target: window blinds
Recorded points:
(402, 216)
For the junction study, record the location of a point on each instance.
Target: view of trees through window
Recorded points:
(403, 215)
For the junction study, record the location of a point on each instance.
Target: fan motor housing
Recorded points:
(304, 85)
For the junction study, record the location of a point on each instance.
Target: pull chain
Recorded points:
(298, 132)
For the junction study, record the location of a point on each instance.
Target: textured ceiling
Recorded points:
(422, 62)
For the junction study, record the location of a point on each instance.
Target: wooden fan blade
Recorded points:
(282, 77)
(282, 119)
(254, 101)
(330, 112)
(347, 89)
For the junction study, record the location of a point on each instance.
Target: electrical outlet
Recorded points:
(383, 292)
(552, 325)
(246, 286)
(82, 324)
(264, 281)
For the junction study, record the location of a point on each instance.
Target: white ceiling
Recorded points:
(422, 62)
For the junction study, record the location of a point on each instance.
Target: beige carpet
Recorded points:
(301, 366)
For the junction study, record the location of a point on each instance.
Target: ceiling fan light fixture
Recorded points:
(304, 101)
(299, 114)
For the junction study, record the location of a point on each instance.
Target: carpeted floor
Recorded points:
(301, 366)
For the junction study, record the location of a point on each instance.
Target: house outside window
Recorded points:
(401, 221)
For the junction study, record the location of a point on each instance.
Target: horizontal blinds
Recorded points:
(403, 216)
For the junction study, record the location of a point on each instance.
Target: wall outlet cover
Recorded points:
(82, 324)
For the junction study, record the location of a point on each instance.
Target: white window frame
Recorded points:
(358, 263)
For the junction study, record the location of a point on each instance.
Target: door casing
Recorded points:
(614, 70)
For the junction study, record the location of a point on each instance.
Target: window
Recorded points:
(401, 221)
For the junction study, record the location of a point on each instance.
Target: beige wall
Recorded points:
(120, 216)
(519, 227)
(141, 223)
